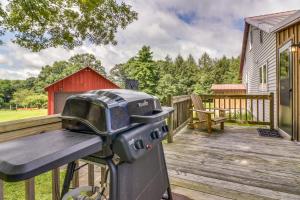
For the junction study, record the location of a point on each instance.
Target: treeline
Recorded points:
(30, 92)
(162, 78)
(176, 76)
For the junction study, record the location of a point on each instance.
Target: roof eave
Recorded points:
(258, 25)
(287, 22)
(47, 87)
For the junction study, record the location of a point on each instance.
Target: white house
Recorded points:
(259, 66)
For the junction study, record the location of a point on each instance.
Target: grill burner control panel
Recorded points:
(138, 141)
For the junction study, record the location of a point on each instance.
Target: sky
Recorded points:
(170, 27)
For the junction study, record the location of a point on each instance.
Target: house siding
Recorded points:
(259, 55)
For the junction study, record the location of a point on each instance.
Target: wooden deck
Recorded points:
(236, 164)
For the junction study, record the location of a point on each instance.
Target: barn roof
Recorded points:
(228, 87)
(269, 23)
(46, 88)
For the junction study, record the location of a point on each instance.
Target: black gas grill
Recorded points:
(120, 128)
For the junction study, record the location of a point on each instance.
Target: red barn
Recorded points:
(81, 81)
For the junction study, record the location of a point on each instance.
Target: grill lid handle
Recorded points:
(156, 117)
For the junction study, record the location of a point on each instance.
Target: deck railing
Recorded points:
(246, 108)
(38, 125)
(181, 115)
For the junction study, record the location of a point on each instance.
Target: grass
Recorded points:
(7, 115)
(43, 187)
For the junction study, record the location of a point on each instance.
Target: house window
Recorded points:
(251, 39)
(263, 75)
(261, 36)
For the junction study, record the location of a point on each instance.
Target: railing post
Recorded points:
(29, 189)
(191, 115)
(91, 176)
(55, 184)
(1, 190)
(170, 120)
(103, 178)
(271, 97)
(75, 181)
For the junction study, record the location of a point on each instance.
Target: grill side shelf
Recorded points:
(30, 156)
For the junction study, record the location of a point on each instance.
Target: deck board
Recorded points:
(238, 156)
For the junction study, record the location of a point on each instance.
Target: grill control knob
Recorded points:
(139, 144)
(154, 135)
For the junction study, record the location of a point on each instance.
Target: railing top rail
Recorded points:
(28, 122)
(244, 96)
(177, 99)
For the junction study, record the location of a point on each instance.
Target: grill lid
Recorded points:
(111, 110)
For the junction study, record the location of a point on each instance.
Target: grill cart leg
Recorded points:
(169, 192)
(68, 178)
(170, 197)
(113, 179)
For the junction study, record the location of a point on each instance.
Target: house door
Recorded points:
(285, 89)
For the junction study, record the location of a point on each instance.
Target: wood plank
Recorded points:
(170, 121)
(91, 176)
(227, 189)
(56, 184)
(28, 131)
(194, 194)
(240, 175)
(30, 122)
(75, 181)
(29, 189)
(1, 190)
(103, 173)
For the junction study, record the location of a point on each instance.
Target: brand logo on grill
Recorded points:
(145, 103)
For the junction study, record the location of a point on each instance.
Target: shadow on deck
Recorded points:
(236, 164)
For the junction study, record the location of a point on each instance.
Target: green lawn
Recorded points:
(7, 115)
(43, 188)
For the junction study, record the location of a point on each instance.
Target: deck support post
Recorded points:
(55, 184)
(1, 190)
(91, 176)
(170, 120)
(29, 189)
(75, 181)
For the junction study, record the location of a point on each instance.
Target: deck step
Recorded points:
(225, 189)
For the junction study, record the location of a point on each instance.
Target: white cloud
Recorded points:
(215, 27)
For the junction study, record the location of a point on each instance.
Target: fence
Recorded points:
(246, 108)
(181, 115)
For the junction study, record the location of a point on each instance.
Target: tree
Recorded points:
(166, 87)
(117, 74)
(40, 24)
(143, 69)
(87, 60)
(36, 101)
(205, 61)
(19, 97)
(6, 90)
